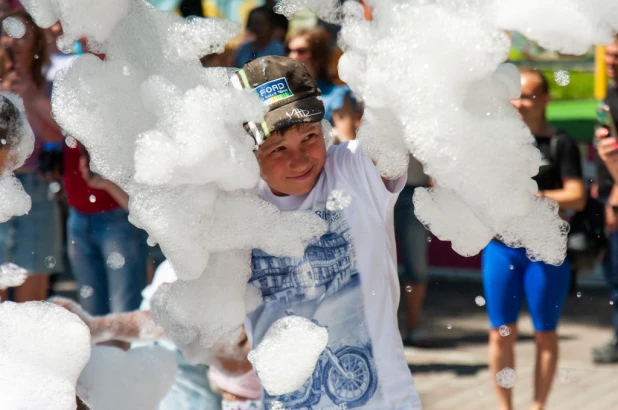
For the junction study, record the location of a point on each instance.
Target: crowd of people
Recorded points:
(79, 221)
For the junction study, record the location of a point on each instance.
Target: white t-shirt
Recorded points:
(347, 281)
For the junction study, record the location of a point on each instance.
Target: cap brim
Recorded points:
(310, 109)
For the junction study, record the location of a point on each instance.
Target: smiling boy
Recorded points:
(347, 279)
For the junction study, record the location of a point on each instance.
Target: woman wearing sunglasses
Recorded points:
(313, 48)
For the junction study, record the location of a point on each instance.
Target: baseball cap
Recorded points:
(285, 85)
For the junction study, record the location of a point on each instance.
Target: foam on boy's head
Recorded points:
(287, 88)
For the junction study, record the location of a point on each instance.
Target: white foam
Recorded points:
(169, 132)
(16, 134)
(288, 353)
(43, 349)
(137, 379)
(506, 378)
(12, 275)
(93, 19)
(444, 95)
(338, 200)
(13, 27)
(115, 260)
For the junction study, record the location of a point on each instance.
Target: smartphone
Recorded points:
(605, 119)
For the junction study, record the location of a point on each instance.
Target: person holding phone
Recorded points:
(607, 175)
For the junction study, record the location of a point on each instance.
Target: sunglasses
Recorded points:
(300, 51)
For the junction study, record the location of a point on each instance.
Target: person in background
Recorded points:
(260, 25)
(5, 8)
(280, 23)
(312, 48)
(607, 174)
(508, 274)
(32, 241)
(108, 255)
(412, 244)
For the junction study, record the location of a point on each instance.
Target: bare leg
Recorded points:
(414, 304)
(501, 355)
(546, 362)
(34, 288)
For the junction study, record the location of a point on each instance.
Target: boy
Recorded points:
(347, 279)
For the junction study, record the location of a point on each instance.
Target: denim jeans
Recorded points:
(611, 275)
(92, 239)
(411, 238)
(191, 390)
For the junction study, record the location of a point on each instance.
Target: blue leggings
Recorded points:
(508, 275)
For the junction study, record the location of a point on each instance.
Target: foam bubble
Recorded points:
(115, 260)
(338, 200)
(506, 378)
(50, 262)
(13, 27)
(71, 142)
(504, 330)
(562, 77)
(563, 376)
(86, 291)
(12, 275)
(288, 353)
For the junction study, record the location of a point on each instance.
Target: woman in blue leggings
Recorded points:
(509, 276)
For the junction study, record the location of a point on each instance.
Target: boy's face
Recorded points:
(291, 161)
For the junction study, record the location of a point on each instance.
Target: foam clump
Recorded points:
(338, 200)
(13, 27)
(445, 97)
(322, 8)
(16, 145)
(551, 22)
(12, 275)
(43, 349)
(93, 19)
(136, 379)
(174, 305)
(288, 353)
(506, 378)
(169, 132)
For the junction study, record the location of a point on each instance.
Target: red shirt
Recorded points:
(78, 192)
